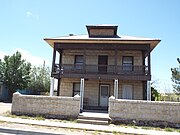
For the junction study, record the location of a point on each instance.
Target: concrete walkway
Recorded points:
(4, 107)
(107, 128)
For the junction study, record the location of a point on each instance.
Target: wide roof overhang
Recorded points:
(152, 43)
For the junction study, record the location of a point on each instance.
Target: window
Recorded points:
(127, 63)
(76, 89)
(79, 62)
(127, 91)
(102, 63)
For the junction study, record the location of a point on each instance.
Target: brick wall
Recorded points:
(52, 107)
(145, 112)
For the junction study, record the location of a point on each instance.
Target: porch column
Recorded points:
(60, 71)
(149, 62)
(81, 94)
(148, 90)
(52, 86)
(84, 60)
(116, 88)
(54, 59)
(115, 61)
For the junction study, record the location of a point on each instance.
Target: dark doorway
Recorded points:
(102, 64)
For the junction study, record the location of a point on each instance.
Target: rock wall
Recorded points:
(139, 112)
(50, 107)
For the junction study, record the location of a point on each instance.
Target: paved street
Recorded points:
(4, 107)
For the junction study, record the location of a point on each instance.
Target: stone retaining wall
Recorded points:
(139, 112)
(50, 107)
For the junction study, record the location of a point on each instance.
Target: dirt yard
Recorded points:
(4, 107)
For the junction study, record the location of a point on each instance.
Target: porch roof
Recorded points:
(119, 39)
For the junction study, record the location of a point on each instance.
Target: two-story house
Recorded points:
(101, 64)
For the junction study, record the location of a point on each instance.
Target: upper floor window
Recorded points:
(79, 62)
(76, 89)
(127, 62)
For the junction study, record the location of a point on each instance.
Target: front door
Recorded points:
(104, 95)
(102, 64)
(127, 92)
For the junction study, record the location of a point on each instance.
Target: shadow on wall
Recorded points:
(4, 95)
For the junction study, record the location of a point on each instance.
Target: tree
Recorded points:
(1, 68)
(40, 79)
(176, 78)
(155, 95)
(15, 72)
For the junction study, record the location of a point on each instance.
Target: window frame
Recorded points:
(75, 90)
(78, 65)
(127, 66)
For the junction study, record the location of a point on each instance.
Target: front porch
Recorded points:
(95, 93)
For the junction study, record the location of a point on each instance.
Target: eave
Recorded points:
(153, 43)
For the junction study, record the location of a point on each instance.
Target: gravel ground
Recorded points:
(4, 107)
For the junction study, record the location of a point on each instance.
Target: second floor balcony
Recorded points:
(112, 71)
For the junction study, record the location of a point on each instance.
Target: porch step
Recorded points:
(93, 118)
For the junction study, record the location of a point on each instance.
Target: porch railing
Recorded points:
(101, 69)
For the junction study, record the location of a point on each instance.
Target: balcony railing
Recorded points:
(100, 69)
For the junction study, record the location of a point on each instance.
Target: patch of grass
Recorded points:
(65, 121)
(38, 117)
(2, 121)
(6, 113)
(135, 127)
(115, 132)
(169, 129)
(95, 133)
(71, 120)
(146, 128)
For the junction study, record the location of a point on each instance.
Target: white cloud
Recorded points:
(34, 60)
(32, 15)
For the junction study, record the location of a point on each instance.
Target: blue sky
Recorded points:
(24, 24)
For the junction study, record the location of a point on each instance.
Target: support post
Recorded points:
(60, 72)
(52, 86)
(149, 62)
(58, 86)
(148, 90)
(81, 94)
(116, 88)
(54, 59)
(115, 61)
(84, 60)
